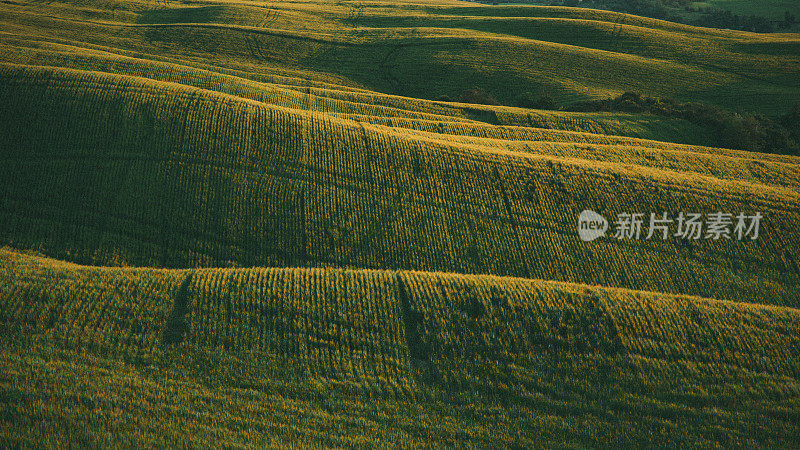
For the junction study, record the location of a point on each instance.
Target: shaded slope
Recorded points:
(335, 99)
(147, 173)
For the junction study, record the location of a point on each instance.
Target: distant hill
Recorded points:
(429, 50)
(766, 16)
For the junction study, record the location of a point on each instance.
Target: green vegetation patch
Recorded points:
(370, 357)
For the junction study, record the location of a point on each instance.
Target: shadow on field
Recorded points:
(201, 14)
(175, 330)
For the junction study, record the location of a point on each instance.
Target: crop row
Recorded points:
(122, 171)
(387, 59)
(390, 328)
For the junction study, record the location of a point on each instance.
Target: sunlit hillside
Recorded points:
(262, 224)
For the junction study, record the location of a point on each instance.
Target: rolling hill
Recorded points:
(360, 357)
(234, 223)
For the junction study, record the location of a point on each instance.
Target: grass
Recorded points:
(240, 224)
(572, 55)
(773, 9)
(358, 357)
(173, 176)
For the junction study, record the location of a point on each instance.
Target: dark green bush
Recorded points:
(477, 95)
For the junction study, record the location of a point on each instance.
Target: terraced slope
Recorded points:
(255, 227)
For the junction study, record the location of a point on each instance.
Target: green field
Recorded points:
(233, 223)
(772, 9)
(360, 357)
